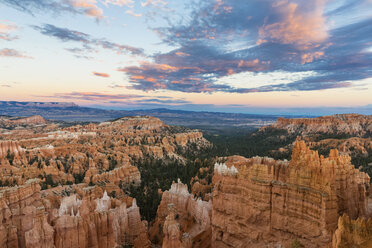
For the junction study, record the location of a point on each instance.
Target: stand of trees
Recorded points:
(159, 174)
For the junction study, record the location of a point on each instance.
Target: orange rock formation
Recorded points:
(11, 148)
(184, 220)
(33, 218)
(353, 233)
(260, 201)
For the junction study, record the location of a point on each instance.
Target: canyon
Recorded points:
(91, 153)
(71, 185)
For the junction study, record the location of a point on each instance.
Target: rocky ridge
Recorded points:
(348, 124)
(31, 120)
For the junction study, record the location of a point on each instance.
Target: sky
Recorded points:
(215, 55)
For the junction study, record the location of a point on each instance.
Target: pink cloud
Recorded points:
(248, 63)
(6, 52)
(302, 24)
(182, 54)
(131, 12)
(309, 57)
(5, 28)
(101, 74)
(88, 7)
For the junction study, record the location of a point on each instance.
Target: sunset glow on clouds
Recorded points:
(176, 53)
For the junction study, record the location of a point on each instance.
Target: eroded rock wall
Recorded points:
(33, 218)
(261, 201)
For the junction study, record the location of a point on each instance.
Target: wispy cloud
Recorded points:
(6, 28)
(94, 96)
(84, 7)
(154, 3)
(88, 42)
(88, 8)
(124, 99)
(116, 86)
(132, 13)
(8, 52)
(128, 3)
(101, 74)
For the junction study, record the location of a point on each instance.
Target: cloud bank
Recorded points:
(227, 37)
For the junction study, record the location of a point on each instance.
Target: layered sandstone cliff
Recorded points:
(261, 201)
(348, 124)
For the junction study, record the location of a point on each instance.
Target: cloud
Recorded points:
(63, 34)
(94, 96)
(123, 99)
(5, 28)
(193, 73)
(154, 3)
(116, 86)
(88, 7)
(347, 6)
(8, 52)
(9, 84)
(131, 12)
(299, 24)
(222, 38)
(88, 42)
(80, 53)
(128, 3)
(295, 86)
(84, 7)
(163, 101)
(100, 74)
